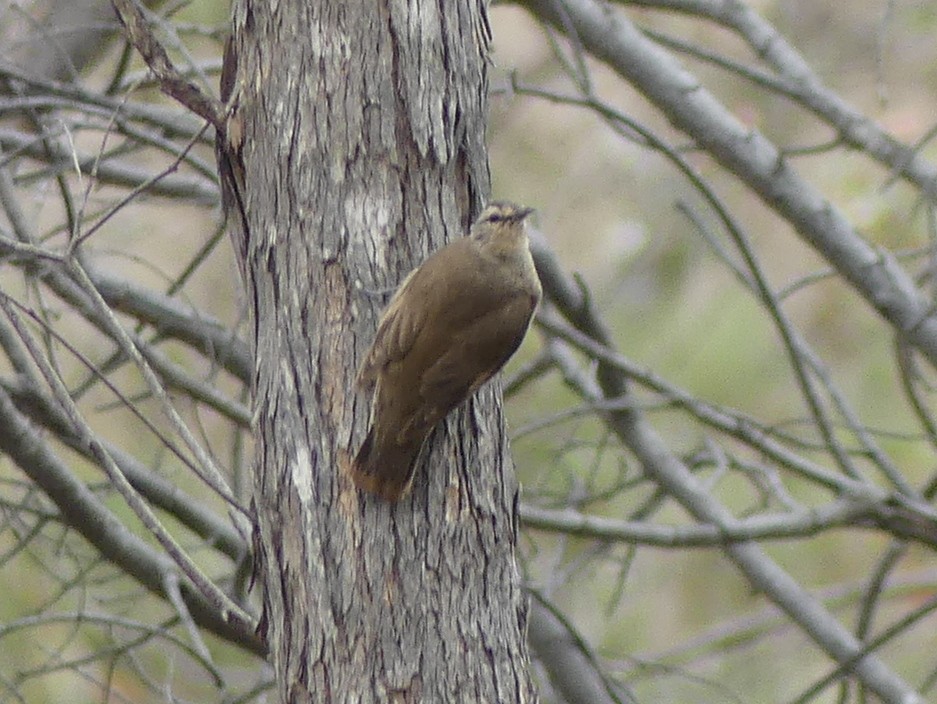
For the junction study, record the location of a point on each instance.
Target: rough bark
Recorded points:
(362, 151)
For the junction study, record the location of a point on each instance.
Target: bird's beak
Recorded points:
(523, 212)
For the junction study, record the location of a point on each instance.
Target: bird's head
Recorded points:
(501, 220)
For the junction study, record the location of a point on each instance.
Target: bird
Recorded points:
(451, 325)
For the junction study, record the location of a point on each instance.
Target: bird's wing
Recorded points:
(426, 293)
(433, 291)
(395, 334)
(478, 351)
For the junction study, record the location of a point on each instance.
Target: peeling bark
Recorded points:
(362, 151)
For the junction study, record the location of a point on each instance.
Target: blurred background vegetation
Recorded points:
(670, 624)
(684, 623)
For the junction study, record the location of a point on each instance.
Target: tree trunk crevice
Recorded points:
(355, 168)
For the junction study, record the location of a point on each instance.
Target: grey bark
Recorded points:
(363, 151)
(572, 667)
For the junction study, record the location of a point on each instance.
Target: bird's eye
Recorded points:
(495, 217)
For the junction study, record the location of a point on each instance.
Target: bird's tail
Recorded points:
(385, 468)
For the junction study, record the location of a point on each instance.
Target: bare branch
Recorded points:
(885, 285)
(163, 494)
(764, 573)
(176, 320)
(85, 513)
(172, 82)
(572, 667)
(228, 610)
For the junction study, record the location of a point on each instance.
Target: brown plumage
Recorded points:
(452, 324)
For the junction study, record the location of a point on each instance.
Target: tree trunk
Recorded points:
(363, 151)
